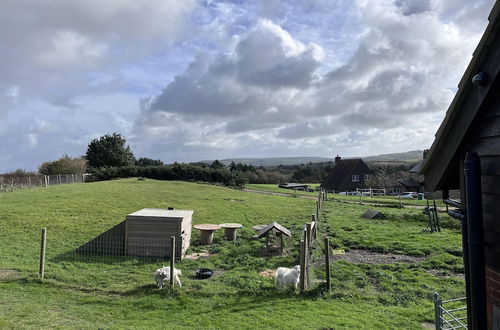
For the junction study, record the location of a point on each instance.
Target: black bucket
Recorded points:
(203, 273)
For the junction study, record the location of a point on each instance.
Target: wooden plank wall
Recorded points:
(486, 142)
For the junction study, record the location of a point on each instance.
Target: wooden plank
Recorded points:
(491, 220)
(488, 146)
(491, 204)
(490, 184)
(490, 165)
(489, 128)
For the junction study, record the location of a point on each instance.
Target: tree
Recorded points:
(109, 150)
(64, 165)
(143, 161)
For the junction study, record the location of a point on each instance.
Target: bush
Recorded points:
(181, 172)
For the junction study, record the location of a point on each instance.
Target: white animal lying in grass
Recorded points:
(287, 276)
(163, 274)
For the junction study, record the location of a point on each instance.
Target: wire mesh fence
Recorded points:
(10, 182)
(84, 260)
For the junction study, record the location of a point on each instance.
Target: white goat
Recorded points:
(287, 276)
(163, 274)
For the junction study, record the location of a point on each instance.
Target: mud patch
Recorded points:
(375, 258)
(197, 255)
(269, 273)
(9, 274)
(445, 274)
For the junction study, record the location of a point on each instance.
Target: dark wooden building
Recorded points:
(347, 175)
(466, 155)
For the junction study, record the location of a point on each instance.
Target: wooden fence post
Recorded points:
(29, 180)
(309, 234)
(302, 266)
(42, 252)
(172, 260)
(438, 227)
(327, 264)
(45, 180)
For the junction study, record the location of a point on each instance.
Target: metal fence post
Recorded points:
(42, 252)
(172, 260)
(437, 310)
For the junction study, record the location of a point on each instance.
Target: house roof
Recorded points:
(409, 183)
(341, 172)
(416, 168)
(440, 166)
(275, 226)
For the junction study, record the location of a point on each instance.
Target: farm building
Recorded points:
(465, 155)
(347, 175)
(145, 233)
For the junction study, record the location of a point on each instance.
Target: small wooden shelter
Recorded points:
(145, 233)
(274, 243)
(148, 232)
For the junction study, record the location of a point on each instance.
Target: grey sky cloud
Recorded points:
(187, 80)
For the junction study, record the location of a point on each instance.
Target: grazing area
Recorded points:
(383, 271)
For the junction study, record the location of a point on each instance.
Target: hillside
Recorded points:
(383, 281)
(410, 156)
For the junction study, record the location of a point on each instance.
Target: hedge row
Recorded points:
(180, 172)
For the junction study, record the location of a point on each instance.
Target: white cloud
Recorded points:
(227, 78)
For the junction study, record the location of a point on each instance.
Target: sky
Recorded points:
(191, 80)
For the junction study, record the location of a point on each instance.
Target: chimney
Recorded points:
(337, 159)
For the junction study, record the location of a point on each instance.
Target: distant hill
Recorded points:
(410, 156)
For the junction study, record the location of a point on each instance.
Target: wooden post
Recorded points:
(45, 180)
(172, 260)
(309, 234)
(306, 259)
(429, 211)
(327, 264)
(29, 180)
(438, 227)
(59, 178)
(302, 266)
(42, 252)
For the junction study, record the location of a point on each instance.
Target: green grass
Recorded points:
(120, 293)
(384, 200)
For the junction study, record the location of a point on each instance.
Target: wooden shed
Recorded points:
(466, 155)
(148, 232)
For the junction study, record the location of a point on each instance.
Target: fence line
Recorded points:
(453, 317)
(9, 182)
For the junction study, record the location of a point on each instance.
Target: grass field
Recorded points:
(120, 293)
(388, 200)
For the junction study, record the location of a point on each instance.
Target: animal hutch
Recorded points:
(145, 233)
(274, 239)
(148, 232)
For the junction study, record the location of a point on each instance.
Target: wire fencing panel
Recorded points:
(102, 261)
(10, 182)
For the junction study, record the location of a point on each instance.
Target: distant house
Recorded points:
(466, 155)
(347, 175)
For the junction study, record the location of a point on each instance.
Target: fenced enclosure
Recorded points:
(83, 264)
(450, 314)
(9, 182)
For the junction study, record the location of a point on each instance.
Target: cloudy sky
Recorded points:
(190, 80)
